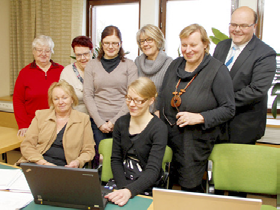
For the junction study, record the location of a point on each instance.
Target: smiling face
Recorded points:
(193, 48)
(242, 16)
(137, 110)
(83, 56)
(148, 47)
(42, 54)
(110, 47)
(62, 101)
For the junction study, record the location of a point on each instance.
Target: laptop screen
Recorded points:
(180, 200)
(66, 187)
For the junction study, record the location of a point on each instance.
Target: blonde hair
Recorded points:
(187, 31)
(144, 87)
(64, 86)
(154, 32)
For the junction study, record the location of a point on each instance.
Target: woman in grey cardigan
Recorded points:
(154, 62)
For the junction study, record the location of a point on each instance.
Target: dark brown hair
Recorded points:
(109, 31)
(82, 41)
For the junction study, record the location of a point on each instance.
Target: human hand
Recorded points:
(188, 118)
(73, 164)
(44, 162)
(110, 125)
(21, 132)
(105, 128)
(119, 197)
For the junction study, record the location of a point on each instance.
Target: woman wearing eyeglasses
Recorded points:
(139, 141)
(196, 99)
(74, 73)
(105, 84)
(33, 82)
(154, 62)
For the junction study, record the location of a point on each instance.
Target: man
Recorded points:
(252, 66)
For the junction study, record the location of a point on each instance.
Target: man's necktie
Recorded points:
(230, 60)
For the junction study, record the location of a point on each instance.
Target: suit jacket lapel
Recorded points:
(226, 49)
(242, 57)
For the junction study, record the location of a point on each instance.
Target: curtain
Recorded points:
(59, 19)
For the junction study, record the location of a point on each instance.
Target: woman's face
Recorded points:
(136, 104)
(83, 56)
(111, 46)
(42, 54)
(61, 100)
(148, 47)
(193, 48)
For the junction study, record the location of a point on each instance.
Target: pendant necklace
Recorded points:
(176, 100)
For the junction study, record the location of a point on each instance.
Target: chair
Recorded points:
(105, 148)
(243, 168)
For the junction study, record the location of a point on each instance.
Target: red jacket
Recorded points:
(31, 91)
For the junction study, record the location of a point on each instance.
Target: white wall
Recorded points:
(5, 50)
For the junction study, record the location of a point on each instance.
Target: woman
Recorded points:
(139, 141)
(154, 62)
(60, 135)
(33, 82)
(74, 73)
(106, 82)
(197, 97)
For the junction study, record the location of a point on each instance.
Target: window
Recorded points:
(270, 35)
(123, 15)
(179, 14)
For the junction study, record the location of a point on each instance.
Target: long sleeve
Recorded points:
(263, 72)
(151, 173)
(22, 118)
(34, 142)
(223, 91)
(150, 150)
(132, 75)
(89, 94)
(87, 151)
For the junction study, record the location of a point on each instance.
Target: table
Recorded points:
(9, 140)
(137, 203)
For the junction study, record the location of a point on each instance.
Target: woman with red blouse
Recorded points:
(33, 82)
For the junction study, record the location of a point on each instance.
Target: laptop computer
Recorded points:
(180, 200)
(65, 187)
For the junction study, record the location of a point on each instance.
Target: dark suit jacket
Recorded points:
(252, 75)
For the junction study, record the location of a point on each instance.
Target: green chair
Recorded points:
(105, 148)
(243, 168)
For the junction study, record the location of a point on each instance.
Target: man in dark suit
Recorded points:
(252, 66)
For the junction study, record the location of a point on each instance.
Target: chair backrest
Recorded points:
(105, 148)
(245, 168)
(167, 158)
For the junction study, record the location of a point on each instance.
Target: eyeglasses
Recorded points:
(40, 51)
(136, 101)
(149, 40)
(107, 44)
(241, 26)
(80, 56)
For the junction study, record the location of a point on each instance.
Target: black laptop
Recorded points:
(65, 187)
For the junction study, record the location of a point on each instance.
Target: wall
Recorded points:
(4, 52)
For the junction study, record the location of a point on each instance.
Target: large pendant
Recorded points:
(176, 101)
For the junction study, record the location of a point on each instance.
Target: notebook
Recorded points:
(174, 199)
(65, 187)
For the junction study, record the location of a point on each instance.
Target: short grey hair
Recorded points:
(43, 41)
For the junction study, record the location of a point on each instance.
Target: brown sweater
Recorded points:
(104, 93)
